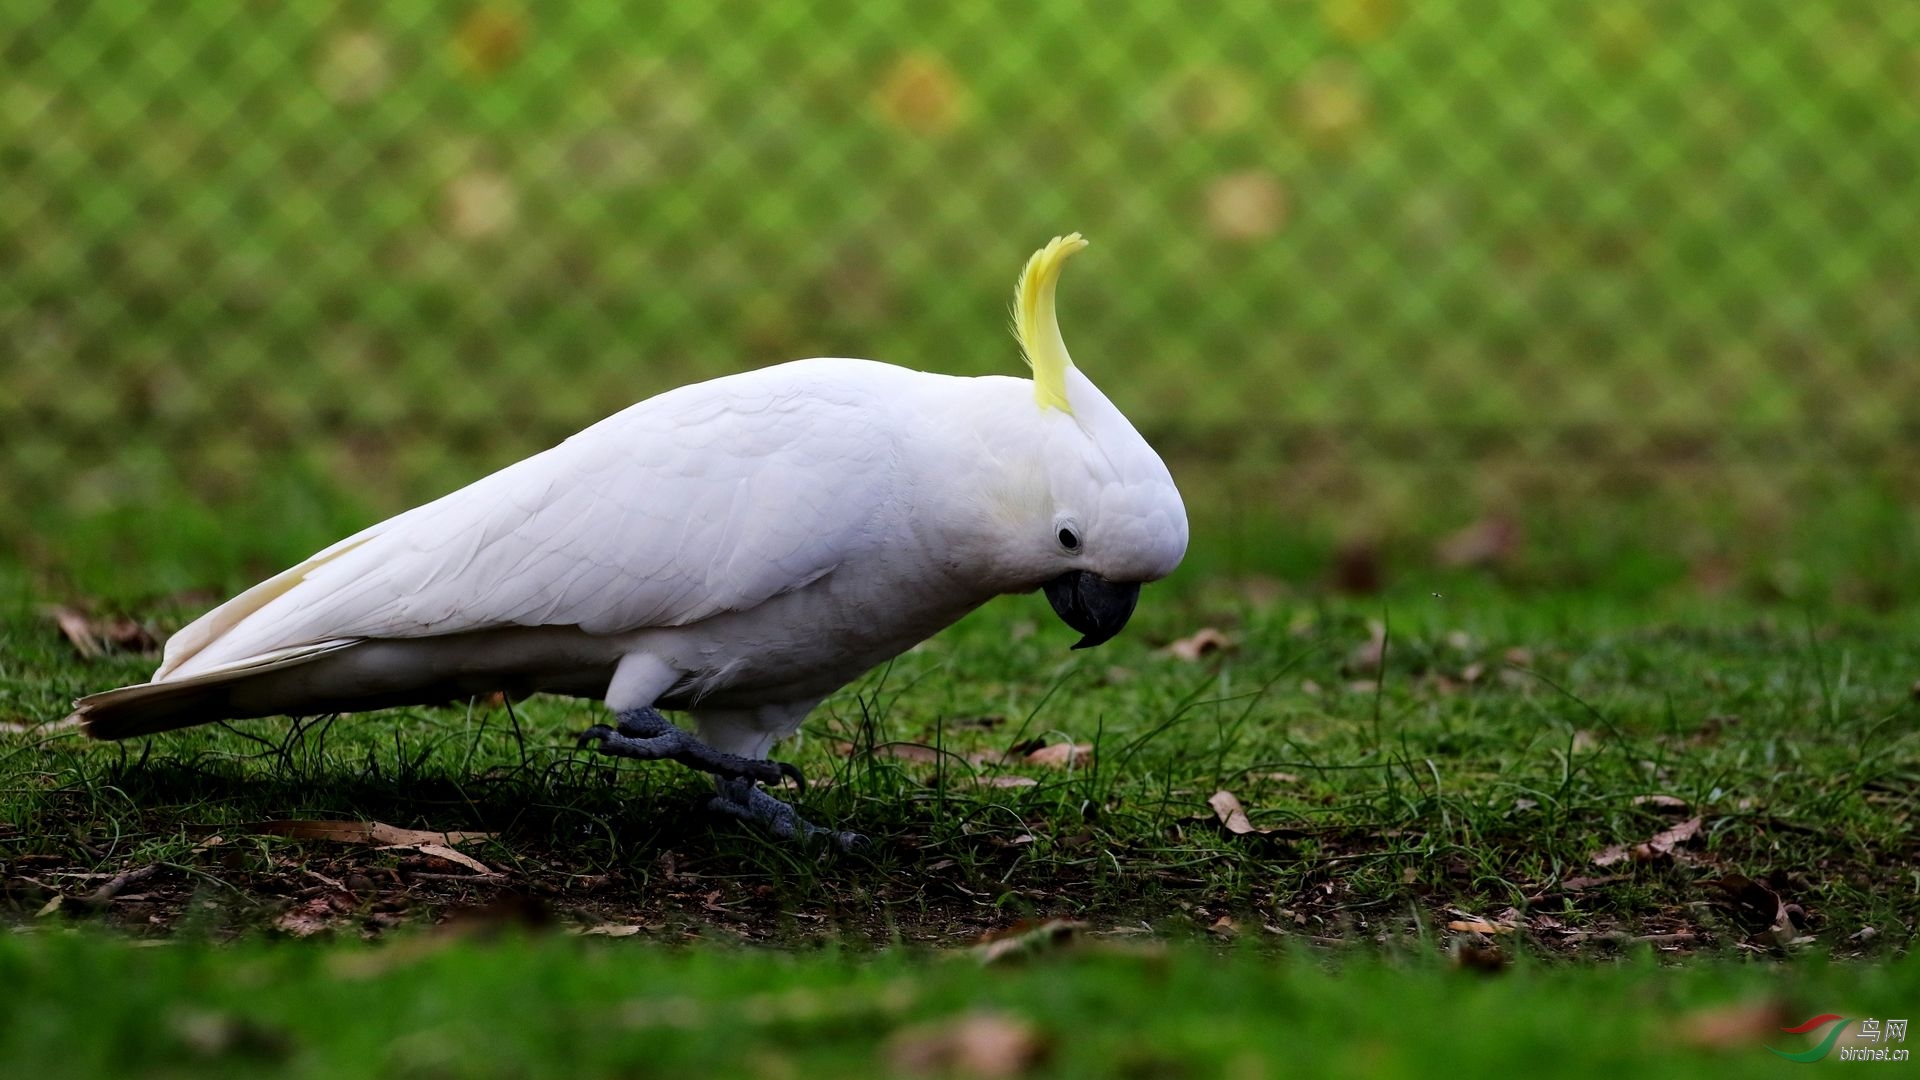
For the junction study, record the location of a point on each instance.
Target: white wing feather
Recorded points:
(711, 498)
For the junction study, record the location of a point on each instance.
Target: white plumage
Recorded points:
(737, 548)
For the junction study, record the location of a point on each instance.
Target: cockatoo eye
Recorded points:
(1069, 540)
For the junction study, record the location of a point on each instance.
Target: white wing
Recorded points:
(711, 498)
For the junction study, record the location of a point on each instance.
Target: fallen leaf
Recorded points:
(1281, 777)
(983, 1044)
(353, 67)
(1753, 905)
(1579, 884)
(1661, 802)
(78, 631)
(90, 636)
(1609, 856)
(357, 832)
(50, 906)
(1490, 541)
(1062, 755)
(1232, 816)
(309, 917)
(1663, 843)
(488, 39)
(1478, 926)
(441, 851)
(1204, 641)
(1024, 939)
(1366, 657)
(613, 930)
(24, 727)
(1660, 846)
(1006, 781)
(1472, 954)
(1360, 22)
(1246, 206)
(922, 94)
(1744, 1025)
(480, 204)
(1330, 100)
(1225, 927)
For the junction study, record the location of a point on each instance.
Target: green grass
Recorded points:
(1505, 745)
(535, 1007)
(1524, 713)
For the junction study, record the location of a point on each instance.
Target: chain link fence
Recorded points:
(1520, 244)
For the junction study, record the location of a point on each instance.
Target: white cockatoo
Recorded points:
(736, 549)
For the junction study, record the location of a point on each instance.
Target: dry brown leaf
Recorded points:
(1366, 657)
(1247, 205)
(1744, 1025)
(1753, 905)
(613, 930)
(1225, 927)
(358, 832)
(77, 629)
(1488, 542)
(1201, 643)
(1478, 926)
(1232, 816)
(489, 39)
(25, 727)
(1024, 939)
(92, 636)
(922, 94)
(353, 67)
(308, 918)
(441, 851)
(1281, 777)
(1660, 846)
(1062, 756)
(1660, 802)
(1578, 884)
(906, 751)
(1611, 855)
(1664, 842)
(989, 1045)
(1006, 781)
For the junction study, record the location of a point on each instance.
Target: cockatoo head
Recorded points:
(1100, 515)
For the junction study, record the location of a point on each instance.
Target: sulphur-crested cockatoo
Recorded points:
(736, 549)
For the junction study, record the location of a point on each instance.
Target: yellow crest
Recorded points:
(1036, 325)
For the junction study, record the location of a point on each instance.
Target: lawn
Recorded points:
(1467, 768)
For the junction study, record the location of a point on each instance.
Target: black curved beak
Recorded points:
(1091, 604)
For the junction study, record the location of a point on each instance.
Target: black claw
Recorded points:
(597, 732)
(789, 769)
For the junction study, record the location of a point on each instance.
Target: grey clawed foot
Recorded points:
(645, 735)
(744, 800)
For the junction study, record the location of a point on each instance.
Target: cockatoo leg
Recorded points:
(645, 735)
(744, 800)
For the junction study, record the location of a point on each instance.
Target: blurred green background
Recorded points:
(1640, 271)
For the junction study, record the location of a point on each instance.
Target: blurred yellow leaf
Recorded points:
(1330, 101)
(1247, 205)
(488, 39)
(354, 67)
(1360, 21)
(922, 94)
